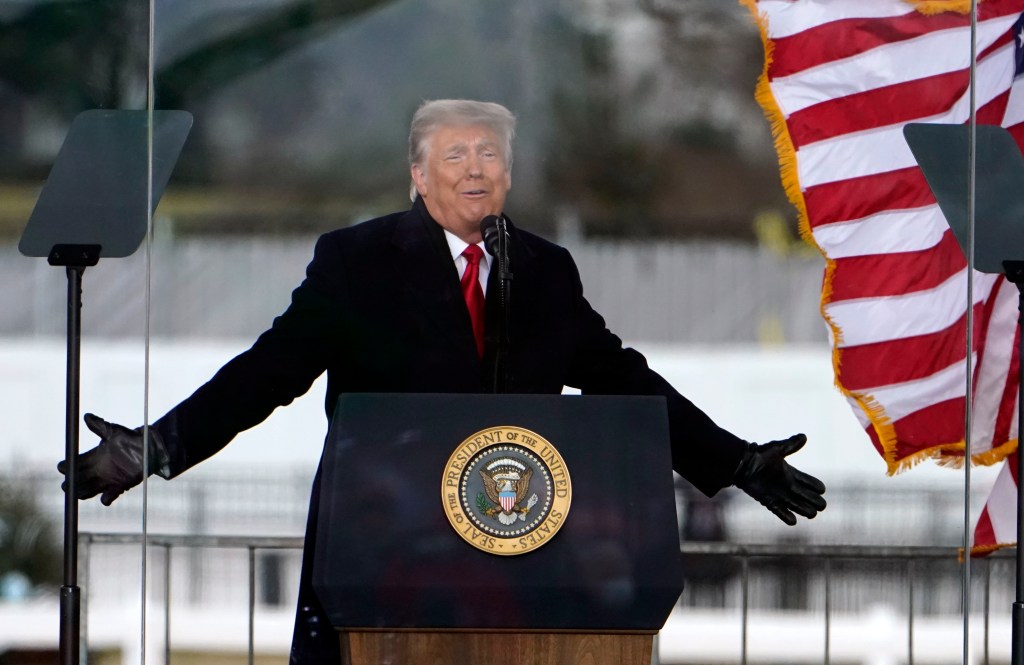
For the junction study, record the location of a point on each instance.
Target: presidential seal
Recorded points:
(506, 490)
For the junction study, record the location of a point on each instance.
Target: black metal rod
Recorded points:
(910, 612)
(1015, 273)
(1017, 619)
(1017, 616)
(504, 295)
(70, 621)
(987, 626)
(252, 605)
(167, 607)
(828, 611)
(744, 608)
(70, 594)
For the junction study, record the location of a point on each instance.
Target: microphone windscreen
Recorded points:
(489, 230)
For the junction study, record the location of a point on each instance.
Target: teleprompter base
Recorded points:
(507, 648)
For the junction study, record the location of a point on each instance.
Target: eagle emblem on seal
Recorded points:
(507, 484)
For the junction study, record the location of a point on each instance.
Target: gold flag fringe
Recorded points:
(940, 6)
(984, 550)
(791, 184)
(997, 454)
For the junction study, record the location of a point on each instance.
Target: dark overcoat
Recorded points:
(381, 310)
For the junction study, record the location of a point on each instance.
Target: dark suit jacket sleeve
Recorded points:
(702, 452)
(281, 365)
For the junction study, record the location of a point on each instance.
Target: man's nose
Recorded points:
(473, 166)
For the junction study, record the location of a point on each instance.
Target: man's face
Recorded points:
(463, 178)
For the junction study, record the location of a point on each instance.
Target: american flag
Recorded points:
(997, 524)
(841, 79)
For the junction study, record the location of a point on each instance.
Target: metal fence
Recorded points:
(829, 581)
(884, 545)
(820, 583)
(165, 545)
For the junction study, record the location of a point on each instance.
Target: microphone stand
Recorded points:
(504, 296)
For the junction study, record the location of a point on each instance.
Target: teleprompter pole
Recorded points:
(75, 258)
(1015, 273)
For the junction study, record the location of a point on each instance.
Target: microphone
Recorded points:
(490, 231)
(494, 229)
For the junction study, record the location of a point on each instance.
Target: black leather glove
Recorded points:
(764, 474)
(115, 465)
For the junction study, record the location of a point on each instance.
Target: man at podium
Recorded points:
(406, 303)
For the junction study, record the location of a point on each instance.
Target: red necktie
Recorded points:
(474, 294)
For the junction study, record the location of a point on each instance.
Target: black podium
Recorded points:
(497, 528)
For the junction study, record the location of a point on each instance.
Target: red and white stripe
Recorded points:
(997, 524)
(508, 502)
(842, 79)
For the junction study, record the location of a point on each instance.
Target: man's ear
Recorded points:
(419, 178)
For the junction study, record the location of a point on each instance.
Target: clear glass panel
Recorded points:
(58, 60)
(990, 492)
(640, 148)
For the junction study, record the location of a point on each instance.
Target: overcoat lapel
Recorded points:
(429, 282)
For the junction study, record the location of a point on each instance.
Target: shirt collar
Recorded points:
(457, 246)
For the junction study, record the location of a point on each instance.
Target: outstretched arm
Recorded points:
(279, 367)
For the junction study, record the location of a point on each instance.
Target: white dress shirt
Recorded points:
(457, 247)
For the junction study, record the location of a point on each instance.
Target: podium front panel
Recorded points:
(388, 557)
